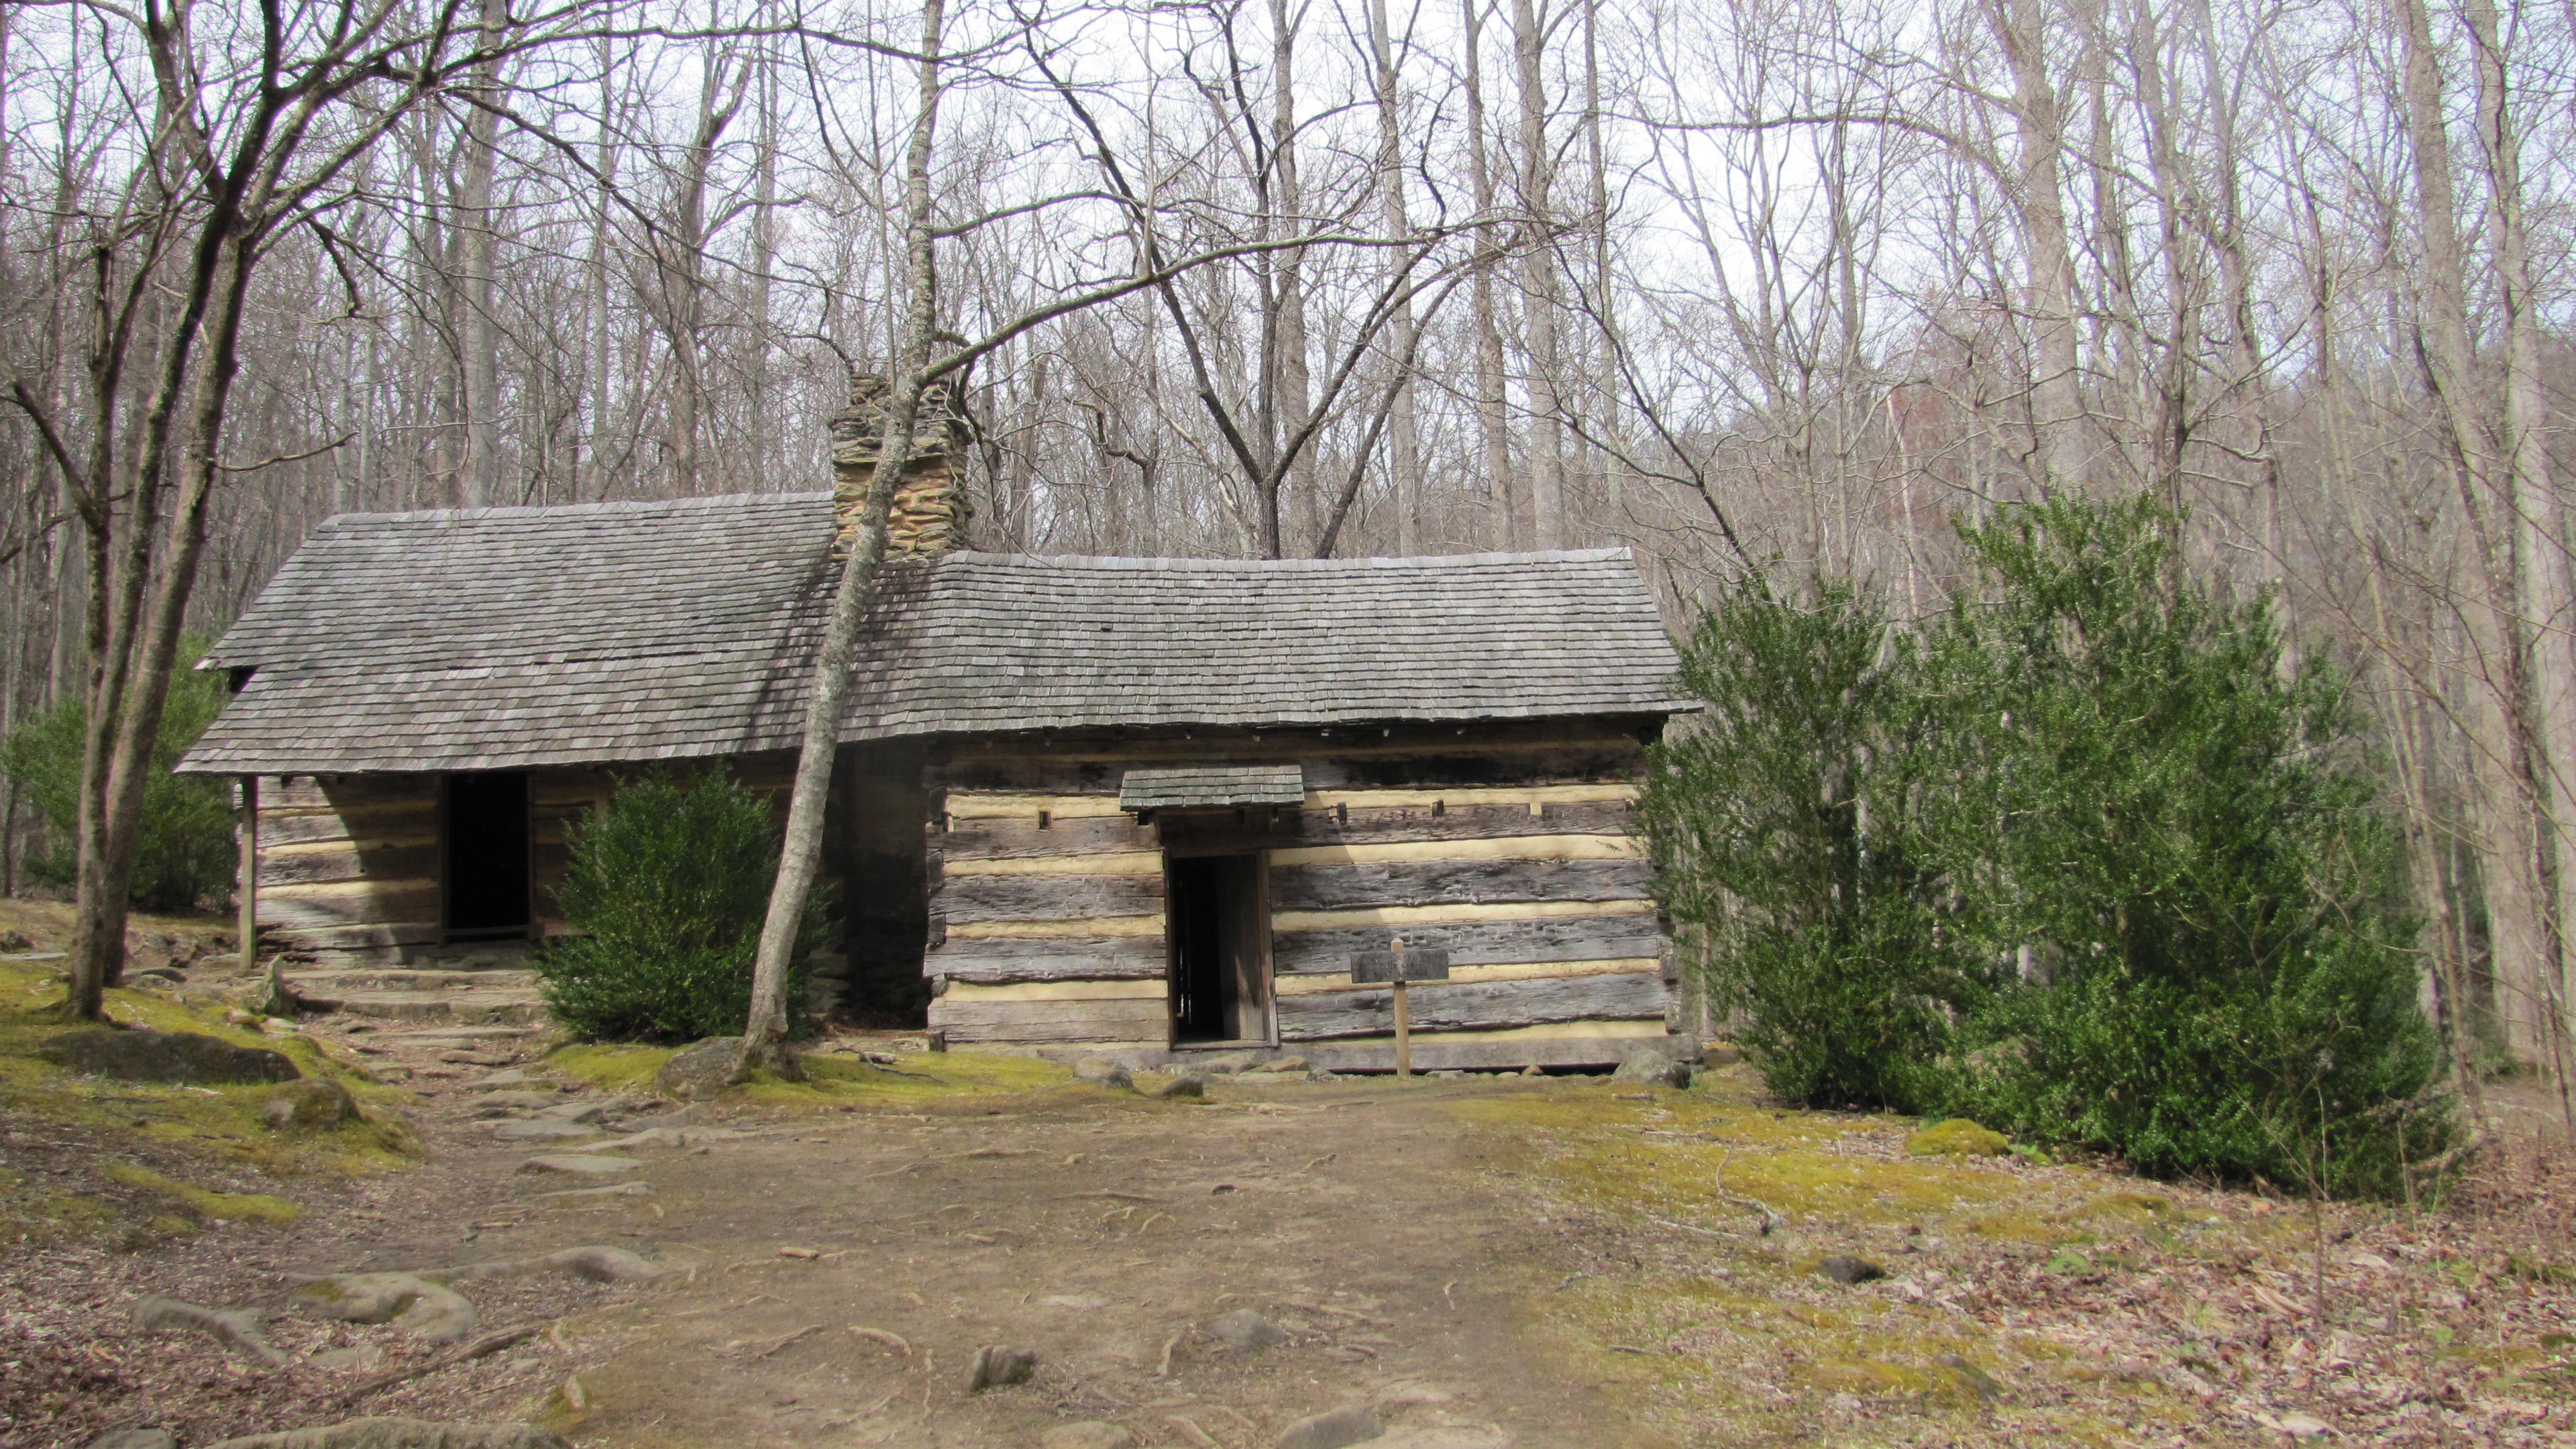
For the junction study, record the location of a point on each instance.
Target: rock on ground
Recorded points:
(1087, 1434)
(1103, 1073)
(408, 1301)
(1349, 1424)
(1184, 1085)
(997, 1366)
(1648, 1067)
(1847, 1270)
(137, 1055)
(591, 1265)
(234, 1328)
(697, 1073)
(1245, 1330)
(1445, 1438)
(577, 1164)
(402, 1434)
(312, 1105)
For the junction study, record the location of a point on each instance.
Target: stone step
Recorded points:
(327, 982)
(443, 1007)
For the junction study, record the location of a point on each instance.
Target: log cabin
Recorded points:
(1137, 807)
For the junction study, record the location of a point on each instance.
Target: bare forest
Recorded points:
(1792, 284)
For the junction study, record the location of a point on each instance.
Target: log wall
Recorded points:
(1509, 847)
(349, 864)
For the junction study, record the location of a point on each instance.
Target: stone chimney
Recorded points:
(930, 509)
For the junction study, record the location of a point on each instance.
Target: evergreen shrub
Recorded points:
(667, 887)
(2092, 861)
(186, 855)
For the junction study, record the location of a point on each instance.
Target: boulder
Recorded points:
(1288, 1064)
(1184, 1085)
(994, 1367)
(1087, 1434)
(1847, 1270)
(1958, 1137)
(1349, 1424)
(1103, 1073)
(408, 1301)
(1244, 1330)
(138, 1055)
(402, 1434)
(1648, 1067)
(544, 1132)
(698, 1071)
(234, 1328)
(577, 1165)
(591, 1265)
(314, 1104)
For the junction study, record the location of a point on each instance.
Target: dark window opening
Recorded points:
(1219, 986)
(487, 857)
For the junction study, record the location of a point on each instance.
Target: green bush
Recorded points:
(668, 885)
(1780, 823)
(187, 853)
(2179, 825)
(2091, 862)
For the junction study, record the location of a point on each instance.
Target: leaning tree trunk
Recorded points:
(764, 1037)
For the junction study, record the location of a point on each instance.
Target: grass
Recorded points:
(834, 1081)
(1760, 1348)
(206, 1203)
(112, 1129)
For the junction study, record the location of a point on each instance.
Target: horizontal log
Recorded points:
(1603, 1046)
(970, 993)
(1501, 847)
(1307, 983)
(1324, 887)
(1152, 926)
(1125, 862)
(1110, 747)
(1474, 943)
(304, 867)
(310, 906)
(348, 938)
(1133, 1019)
(1018, 837)
(347, 792)
(1469, 1005)
(968, 898)
(1046, 958)
(1374, 824)
(973, 805)
(410, 820)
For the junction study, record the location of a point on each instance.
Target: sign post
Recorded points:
(1398, 967)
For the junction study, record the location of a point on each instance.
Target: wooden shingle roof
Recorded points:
(511, 637)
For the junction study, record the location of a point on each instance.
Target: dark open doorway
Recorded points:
(1220, 975)
(486, 850)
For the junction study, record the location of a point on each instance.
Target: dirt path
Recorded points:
(1103, 1232)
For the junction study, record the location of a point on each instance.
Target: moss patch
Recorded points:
(834, 1081)
(1758, 1347)
(115, 1124)
(1958, 1137)
(206, 1203)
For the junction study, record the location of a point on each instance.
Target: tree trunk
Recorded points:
(1403, 443)
(765, 1035)
(1491, 420)
(2057, 399)
(1539, 299)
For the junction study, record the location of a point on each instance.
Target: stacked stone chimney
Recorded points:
(930, 507)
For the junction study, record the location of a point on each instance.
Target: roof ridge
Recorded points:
(709, 502)
(1615, 554)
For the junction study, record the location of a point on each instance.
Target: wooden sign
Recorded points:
(1396, 967)
(1384, 968)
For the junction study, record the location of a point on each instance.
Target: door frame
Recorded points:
(1264, 975)
(447, 875)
